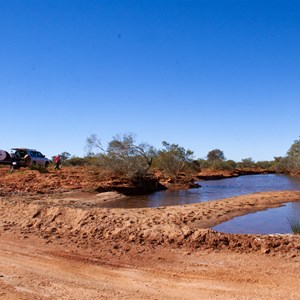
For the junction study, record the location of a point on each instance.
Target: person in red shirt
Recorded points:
(57, 161)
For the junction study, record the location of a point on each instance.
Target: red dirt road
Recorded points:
(29, 271)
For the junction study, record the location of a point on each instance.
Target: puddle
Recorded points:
(272, 220)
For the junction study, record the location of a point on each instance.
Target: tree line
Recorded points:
(123, 156)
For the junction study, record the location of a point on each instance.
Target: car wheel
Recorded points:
(46, 164)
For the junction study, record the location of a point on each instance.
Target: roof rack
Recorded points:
(23, 149)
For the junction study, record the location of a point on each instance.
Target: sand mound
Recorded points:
(81, 222)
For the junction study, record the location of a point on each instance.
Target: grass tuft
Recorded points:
(295, 225)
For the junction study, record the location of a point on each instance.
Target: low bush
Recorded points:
(39, 168)
(78, 161)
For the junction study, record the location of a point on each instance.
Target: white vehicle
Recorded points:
(23, 157)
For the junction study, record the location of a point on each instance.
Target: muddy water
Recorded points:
(273, 220)
(212, 190)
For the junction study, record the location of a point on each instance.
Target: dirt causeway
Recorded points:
(58, 242)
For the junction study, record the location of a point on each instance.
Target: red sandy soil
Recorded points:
(57, 242)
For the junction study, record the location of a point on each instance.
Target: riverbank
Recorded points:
(63, 246)
(92, 179)
(77, 218)
(208, 174)
(57, 242)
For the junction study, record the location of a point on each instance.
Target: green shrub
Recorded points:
(293, 158)
(123, 156)
(224, 165)
(39, 168)
(203, 163)
(246, 163)
(173, 159)
(217, 165)
(77, 161)
(295, 225)
(264, 164)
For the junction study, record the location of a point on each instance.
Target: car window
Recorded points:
(39, 154)
(20, 153)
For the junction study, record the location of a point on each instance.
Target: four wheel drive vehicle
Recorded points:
(23, 157)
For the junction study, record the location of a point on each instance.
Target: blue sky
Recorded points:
(201, 74)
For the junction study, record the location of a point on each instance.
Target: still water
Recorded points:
(273, 220)
(212, 190)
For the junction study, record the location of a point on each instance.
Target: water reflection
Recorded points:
(212, 190)
(273, 220)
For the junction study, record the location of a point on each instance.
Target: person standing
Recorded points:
(57, 161)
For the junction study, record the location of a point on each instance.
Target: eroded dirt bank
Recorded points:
(66, 247)
(77, 219)
(26, 181)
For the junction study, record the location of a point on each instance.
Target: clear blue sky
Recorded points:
(201, 74)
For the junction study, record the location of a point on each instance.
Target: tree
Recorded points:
(64, 156)
(93, 142)
(123, 155)
(279, 164)
(173, 159)
(215, 155)
(293, 157)
(246, 163)
(125, 148)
